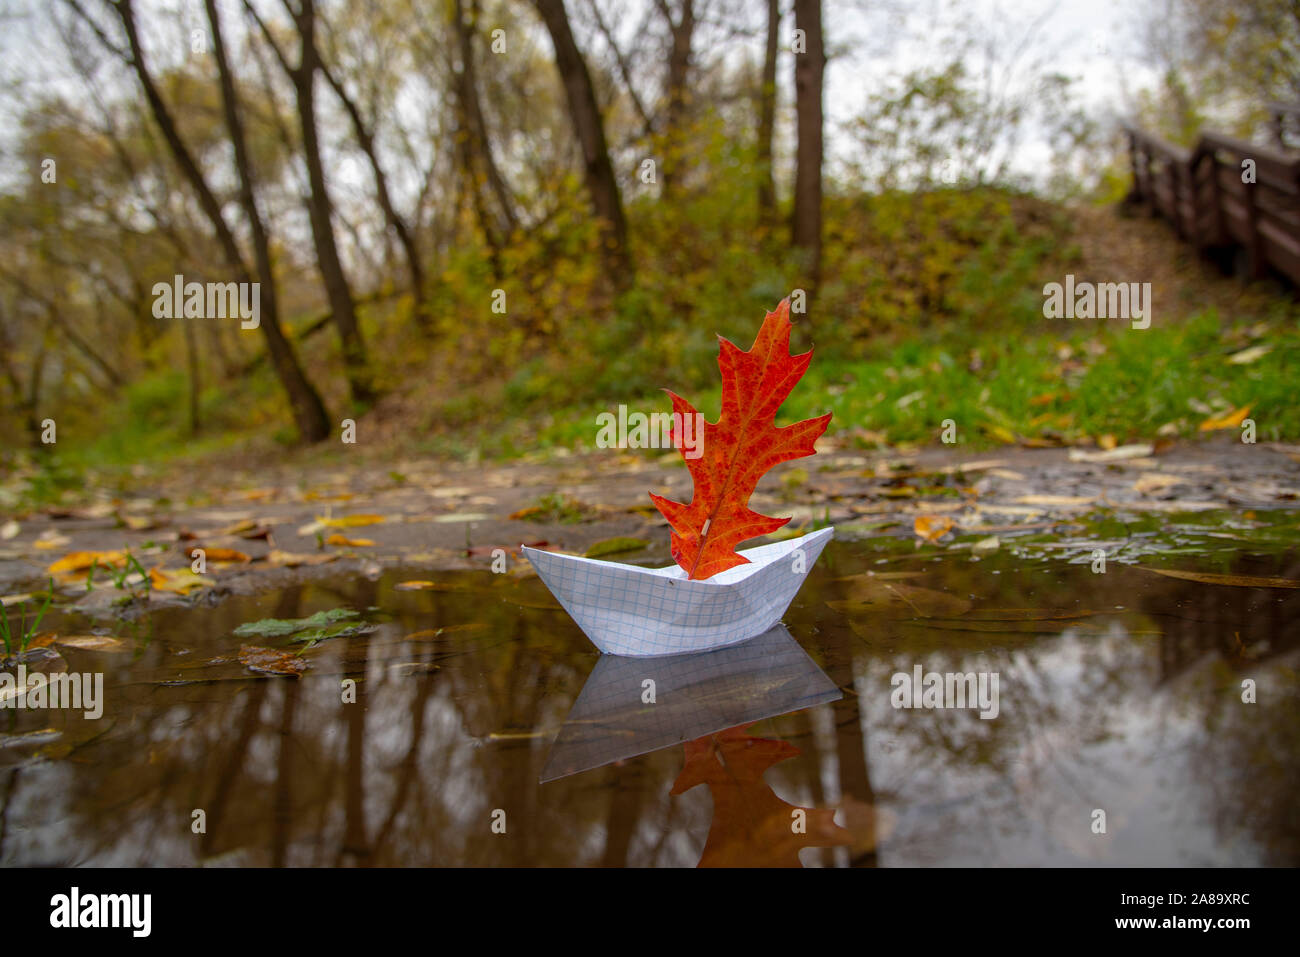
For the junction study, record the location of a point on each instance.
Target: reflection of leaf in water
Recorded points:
(268, 661)
(276, 627)
(752, 827)
(1211, 578)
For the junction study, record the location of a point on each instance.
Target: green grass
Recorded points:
(1053, 383)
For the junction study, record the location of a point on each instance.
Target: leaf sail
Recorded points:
(738, 450)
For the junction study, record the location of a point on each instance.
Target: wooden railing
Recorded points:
(1206, 193)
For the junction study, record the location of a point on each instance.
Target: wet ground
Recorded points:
(413, 724)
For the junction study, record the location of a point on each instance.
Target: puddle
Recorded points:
(1119, 692)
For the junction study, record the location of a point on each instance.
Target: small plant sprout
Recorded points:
(25, 633)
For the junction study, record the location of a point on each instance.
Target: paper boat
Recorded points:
(629, 610)
(696, 694)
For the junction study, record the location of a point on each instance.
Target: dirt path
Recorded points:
(432, 517)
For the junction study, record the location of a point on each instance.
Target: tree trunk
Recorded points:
(321, 212)
(308, 410)
(474, 152)
(590, 131)
(682, 32)
(809, 67)
(767, 118)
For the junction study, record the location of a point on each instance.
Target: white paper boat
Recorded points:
(629, 610)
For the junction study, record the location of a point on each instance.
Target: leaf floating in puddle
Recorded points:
(43, 736)
(1212, 578)
(613, 546)
(278, 627)
(92, 643)
(869, 597)
(341, 630)
(268, 661)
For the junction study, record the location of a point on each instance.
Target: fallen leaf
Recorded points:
(351, 521)
(1213, 578)
(1118, 454)
(1249, 355)
(986, 546)
(931, 528)
(278, 627)
(224, 556)
(180, 581)
(896, 600)
(292, 560)
(1155, 482)
(9, 529)
(81, 561)
(92, 643)
(1062, 500)
(1229, 420)
(268, 661)
(343, 540)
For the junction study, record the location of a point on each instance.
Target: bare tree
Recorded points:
(590, 131)
(767, 117)
(308, 410)
(809, 69)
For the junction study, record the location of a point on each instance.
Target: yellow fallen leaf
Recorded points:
(1155, 482)
(180, 581)
(290, 560)
(1229, 420)
(350, 521)
(81, 561)
(932, 527)
(224, 555)
(337, 539)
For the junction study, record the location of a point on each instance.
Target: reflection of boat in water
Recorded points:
(629, 610)
(694, 695)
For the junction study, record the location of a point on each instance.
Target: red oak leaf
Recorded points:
(738, 450)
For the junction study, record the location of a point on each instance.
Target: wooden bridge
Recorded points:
(1206, 193)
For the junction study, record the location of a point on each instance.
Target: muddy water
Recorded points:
(1118, 692)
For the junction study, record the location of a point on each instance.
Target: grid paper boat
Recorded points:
(629, 610)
